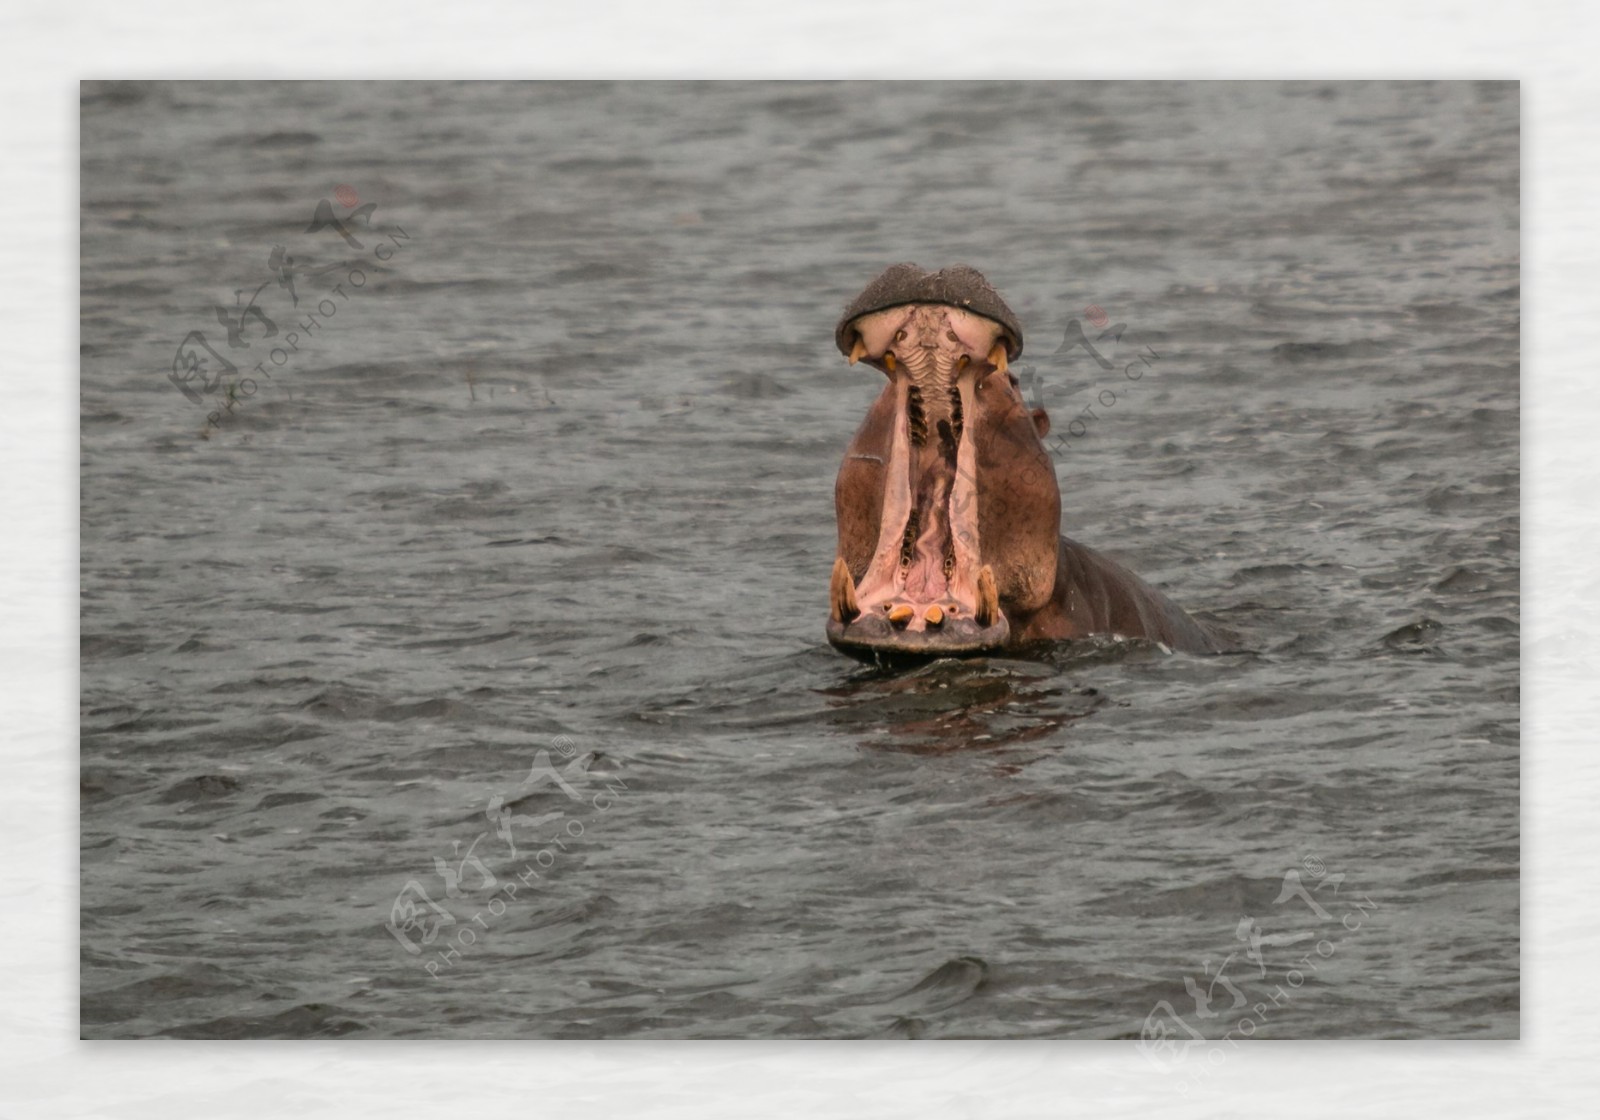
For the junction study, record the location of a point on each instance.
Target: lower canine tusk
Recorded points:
(842, 593)
(858, 351)
(988, 600)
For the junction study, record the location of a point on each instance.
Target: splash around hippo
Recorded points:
(948, 511)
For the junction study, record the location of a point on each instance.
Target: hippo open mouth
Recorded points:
(925, 590)
(949, 512)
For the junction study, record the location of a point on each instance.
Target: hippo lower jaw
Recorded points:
(876, 640)
(898, 631)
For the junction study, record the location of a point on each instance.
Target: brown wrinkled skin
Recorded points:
(1050, 588)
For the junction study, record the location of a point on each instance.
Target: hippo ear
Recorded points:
(1041, 422)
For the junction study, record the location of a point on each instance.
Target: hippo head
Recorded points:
(949, 516)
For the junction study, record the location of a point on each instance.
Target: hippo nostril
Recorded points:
(901, 615)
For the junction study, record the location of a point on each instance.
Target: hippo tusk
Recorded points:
(842, 593)
(858, 351)
(997, 356)
(988, 599)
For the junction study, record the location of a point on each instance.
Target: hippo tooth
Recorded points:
(988, 600)
(997, 356)
(842, 593)
(888, 359)
(916, 418)
(908, 542)
(934, 615)
(901, 614)
(858, 351)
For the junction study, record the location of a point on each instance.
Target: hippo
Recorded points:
(948, 511)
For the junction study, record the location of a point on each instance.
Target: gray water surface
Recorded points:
(549, 494)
